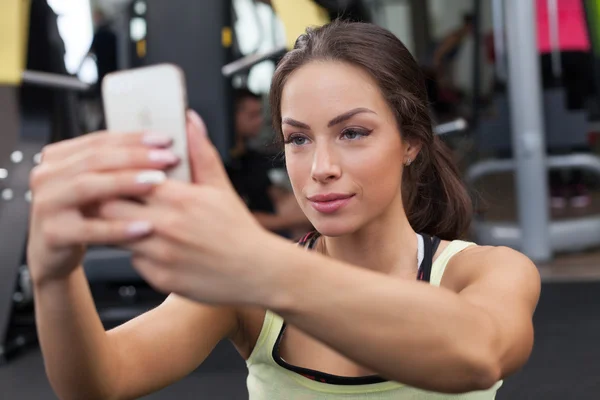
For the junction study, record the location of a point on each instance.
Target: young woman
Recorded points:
(365, 309)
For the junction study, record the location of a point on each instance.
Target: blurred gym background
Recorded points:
(513, 86)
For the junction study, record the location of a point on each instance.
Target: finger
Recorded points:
(102, 161)
(153, 248)
(94, 187)
(66, 148)
(118, 159)
(96, 232)
(205, 161)
(122, 210)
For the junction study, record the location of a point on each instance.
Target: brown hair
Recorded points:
(435, 199)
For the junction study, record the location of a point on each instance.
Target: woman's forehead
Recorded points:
(329, 86)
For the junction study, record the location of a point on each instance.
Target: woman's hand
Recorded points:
(73, 177)
(204, 241)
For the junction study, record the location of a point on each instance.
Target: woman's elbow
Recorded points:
(480, 361)
(485, 374)
(484, 362)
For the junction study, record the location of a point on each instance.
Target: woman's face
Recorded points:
(343, 149)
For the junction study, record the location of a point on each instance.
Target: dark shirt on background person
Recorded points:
(249, 174)
(104, 46)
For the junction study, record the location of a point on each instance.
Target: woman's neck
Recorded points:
(387, 245)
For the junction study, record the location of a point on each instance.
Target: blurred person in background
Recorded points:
(103, 50)
(275, 208)
(104, 46)
(447, 51)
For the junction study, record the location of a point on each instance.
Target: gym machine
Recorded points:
(119, 292)
(537, 119)
(25, 137)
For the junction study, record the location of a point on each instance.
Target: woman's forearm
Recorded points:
(410, 332)
(77, 354)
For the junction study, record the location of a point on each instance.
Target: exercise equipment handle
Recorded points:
(250, 61)
(56, 81)
(458, 125)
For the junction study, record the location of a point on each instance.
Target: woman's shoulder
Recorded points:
(470, 261)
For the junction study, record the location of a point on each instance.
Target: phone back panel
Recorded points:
(150, 99)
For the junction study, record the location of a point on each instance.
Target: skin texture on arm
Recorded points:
(462, 337)
(137, 358)
(458, 338)
(166, 344)
(77, 356)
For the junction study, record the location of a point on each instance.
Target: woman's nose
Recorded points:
(325, 167)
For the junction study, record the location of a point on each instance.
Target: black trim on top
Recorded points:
(319, 376)
(427, 264)
(424, 274)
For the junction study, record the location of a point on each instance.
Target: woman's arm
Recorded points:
(207, 246)
(146, 354)
(437, 339)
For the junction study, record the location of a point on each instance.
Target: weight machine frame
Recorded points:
(21, 141)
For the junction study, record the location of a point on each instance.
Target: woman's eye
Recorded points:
(354, 134)
(296, 140)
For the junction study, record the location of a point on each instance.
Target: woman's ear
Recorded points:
(411, 152)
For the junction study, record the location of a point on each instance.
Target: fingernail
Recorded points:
(139, 228)
(162, 156)
(157, 139)
(196, 121)
(151, 177)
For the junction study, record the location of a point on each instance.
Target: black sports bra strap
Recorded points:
(430, 246)
(425, 268)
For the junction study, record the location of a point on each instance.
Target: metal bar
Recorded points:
(9, 265)
(14, 217)
(568, 235)
(9, 121)
(458, 125)
(488, 167)
(248, 62)
(527, 128)
(499, 39)
(554, 37)
(419, 10)
(49, 80)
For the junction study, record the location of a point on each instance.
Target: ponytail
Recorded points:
(435, 199)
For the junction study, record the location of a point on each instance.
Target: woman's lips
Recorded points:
(330, 203)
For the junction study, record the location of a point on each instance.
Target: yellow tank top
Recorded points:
(267, 380)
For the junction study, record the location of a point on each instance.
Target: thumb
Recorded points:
(205, 163)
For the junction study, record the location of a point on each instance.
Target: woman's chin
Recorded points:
(335, 228)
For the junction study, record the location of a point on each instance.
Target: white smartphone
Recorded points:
(150, 99)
